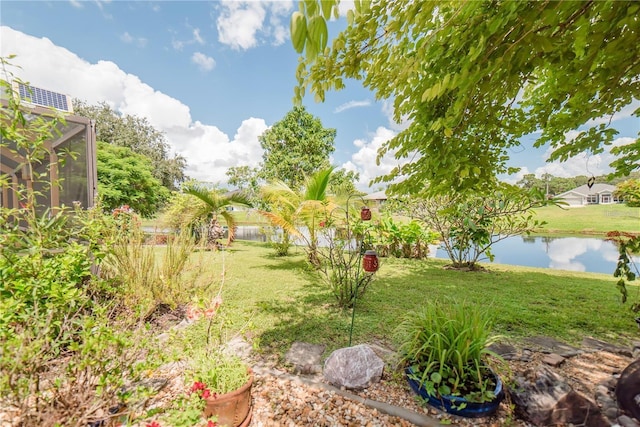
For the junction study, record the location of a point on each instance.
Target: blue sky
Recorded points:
(213, 76)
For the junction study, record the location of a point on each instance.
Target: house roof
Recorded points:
(378, 195)
(584, 190)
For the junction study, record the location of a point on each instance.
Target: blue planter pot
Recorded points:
(451, 404)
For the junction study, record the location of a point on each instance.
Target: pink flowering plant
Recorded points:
(211, 371)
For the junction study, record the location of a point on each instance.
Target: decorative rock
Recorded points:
(391, 358)
(353, 367)
(506, 351)
(625, 421)
(628, 389)
(237, 346)
(544, 398)
(553, 359)
(306, 358)
(551, 345)
(602, 345)
(611, 413)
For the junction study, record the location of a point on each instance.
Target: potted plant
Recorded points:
(219, 383)
(444, 350)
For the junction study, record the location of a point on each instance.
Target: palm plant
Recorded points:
(215, 204)
(308, 207)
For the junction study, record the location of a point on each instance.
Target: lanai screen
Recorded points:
(67, 178)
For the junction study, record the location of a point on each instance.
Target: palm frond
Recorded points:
(278, 221)
(317, 184)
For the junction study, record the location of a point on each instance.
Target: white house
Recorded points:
(598, 194)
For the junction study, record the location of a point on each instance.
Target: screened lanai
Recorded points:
(67, 173)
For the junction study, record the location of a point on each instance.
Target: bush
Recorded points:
(147, 276)
(446, 344)
(62, 360)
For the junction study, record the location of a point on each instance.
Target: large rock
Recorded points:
(545, 399)
(628, 389)
(305, 358)
(353, 367)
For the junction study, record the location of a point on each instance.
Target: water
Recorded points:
(589, 254)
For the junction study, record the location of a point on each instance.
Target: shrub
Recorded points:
(446, 345)
(147, 275)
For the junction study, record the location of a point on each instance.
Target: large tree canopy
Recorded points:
(140, 136)
(126, 178)
(473, 77)
(296, 147)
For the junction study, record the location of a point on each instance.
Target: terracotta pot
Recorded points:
(232, 409)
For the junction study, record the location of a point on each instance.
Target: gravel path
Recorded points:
(281, 399)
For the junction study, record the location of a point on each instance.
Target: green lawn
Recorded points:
(287, 303)
(591, 219)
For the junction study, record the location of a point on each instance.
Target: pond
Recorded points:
(589, 254)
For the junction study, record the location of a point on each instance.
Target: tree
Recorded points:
(629, 191)
(140, 136)
(126, 178)
(296, 147)
(342, 182)
(247, 180)
(215, 204)
(473, 77)
(306, 208)
(470, 224)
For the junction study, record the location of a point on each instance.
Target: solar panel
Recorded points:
(45, 98)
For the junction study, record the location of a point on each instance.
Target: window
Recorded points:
(592, 199)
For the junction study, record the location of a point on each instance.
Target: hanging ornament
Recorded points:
(591, 181)
(365, 213)
(370, 261)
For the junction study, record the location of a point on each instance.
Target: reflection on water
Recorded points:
(562, 253)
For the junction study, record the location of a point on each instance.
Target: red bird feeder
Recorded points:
(370, 261)
(365, 213)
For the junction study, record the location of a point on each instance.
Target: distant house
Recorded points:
(598, 194)
(378, 198)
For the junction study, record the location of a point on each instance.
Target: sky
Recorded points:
(213, 76)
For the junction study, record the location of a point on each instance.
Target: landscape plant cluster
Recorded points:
(78, 289)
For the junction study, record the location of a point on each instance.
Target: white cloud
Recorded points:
(513, 179)
(352, 104)
(208, 150)
(387, 110)
(364, 160)
(204, 62)
(197, 37)
(129, 39)
(240, 23)
(582, 164)
(76, 3)
(624, 113)
(126, 38)
(346, 5)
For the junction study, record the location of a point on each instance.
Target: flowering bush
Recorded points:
(211, 371)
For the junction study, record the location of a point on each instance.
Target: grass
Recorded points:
(591, 219)
(286, 302)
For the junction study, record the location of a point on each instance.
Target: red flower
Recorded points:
(197, 386)
(206, 393)
(154, 424)
(322, 223)
(194, 313)
(212, 424)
